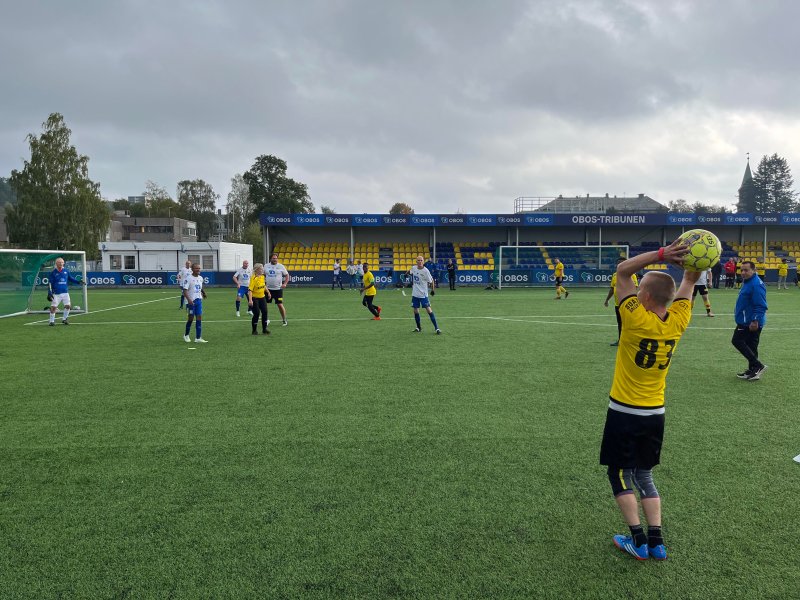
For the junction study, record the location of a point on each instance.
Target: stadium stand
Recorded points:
(400, 256)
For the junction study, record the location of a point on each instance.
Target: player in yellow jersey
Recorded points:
(783, 272)
(558, 273)
(612, 291)
(257, 296)
(652, 325)
(369, 290)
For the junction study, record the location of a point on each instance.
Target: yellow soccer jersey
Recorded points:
(783, 270)
(645, 350)
(257, 286)
(559, 270)
(369, 278)
(614, 285)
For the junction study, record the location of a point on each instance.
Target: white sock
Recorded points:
(66, 314)
(52, 317)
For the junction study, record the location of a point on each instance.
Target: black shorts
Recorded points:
(739, 278)
(277, 296)
(632, 441)
(700, 288)
(559, 281)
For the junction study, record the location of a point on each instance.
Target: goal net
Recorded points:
(532, 266)
(24, 278)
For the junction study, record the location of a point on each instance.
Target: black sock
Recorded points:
(654, 536)
(637, 533)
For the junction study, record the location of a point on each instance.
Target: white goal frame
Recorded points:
(84, 308)
(624, 249)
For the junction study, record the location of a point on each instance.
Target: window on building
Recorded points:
(208, 262)
(130, 263)
(115, 262)
(194, 258)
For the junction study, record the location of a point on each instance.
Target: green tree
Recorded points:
(700, 207)
(252, 235)
(773, 184)
(7, 195)
(679, 206)
(271, 191)
(401, 208)
(58, 206)
(198, 201)
(327, 210)
(239, 208)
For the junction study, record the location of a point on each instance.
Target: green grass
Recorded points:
(341, 457)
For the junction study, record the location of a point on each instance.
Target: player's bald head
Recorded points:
(660, 287)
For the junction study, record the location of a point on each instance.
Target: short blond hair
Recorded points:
(660, 286)
(258, 266)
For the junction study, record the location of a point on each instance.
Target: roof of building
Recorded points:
(601, 204)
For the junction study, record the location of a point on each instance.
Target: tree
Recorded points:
(58, 206)
(401, 208)
(679, 206)
(252, 235)
(773, 184)
(7, 195)
(239, 208)
(198, 201)
(699, 207)
(271, 191)
(327, 210)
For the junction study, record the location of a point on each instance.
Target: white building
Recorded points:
(170, 256)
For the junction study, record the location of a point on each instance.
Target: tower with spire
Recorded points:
(747, 191)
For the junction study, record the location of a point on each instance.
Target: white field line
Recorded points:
(533, 319)
(99, 311)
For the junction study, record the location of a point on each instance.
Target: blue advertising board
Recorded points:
(530, 220)
(543, 277)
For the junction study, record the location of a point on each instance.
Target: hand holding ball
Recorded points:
(704, 250)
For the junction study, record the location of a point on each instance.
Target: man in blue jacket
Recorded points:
(751, 315)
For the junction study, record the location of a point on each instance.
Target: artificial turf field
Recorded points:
(344, 457)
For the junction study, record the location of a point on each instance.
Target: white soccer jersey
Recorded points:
(337, 268)
(243, 276)
(274, 275)
(183, 274)
(420, 278)
(194, 285)
(359, 269)
(703, 278)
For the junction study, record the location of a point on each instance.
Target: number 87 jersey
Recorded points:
(646, 346)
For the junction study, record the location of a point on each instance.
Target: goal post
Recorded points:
(532, 265)
(24, 280)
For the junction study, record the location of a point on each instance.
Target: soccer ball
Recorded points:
(704, 250)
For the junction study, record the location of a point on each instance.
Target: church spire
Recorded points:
(747, 191)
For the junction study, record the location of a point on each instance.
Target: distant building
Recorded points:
(135, 199)
(151, 229)
(170, 256)
(589, 204)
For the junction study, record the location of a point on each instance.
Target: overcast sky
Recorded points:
(445, 105)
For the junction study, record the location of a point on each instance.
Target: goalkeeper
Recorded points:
(58, 291)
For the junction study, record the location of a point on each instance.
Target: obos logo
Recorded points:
(469, 279)
(542, 277)
(522, 278)
(383, 279)
(102, 280)
(133, 280)
(587, 277)
(173, 279)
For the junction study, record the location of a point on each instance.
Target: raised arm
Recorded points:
(672, 254)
